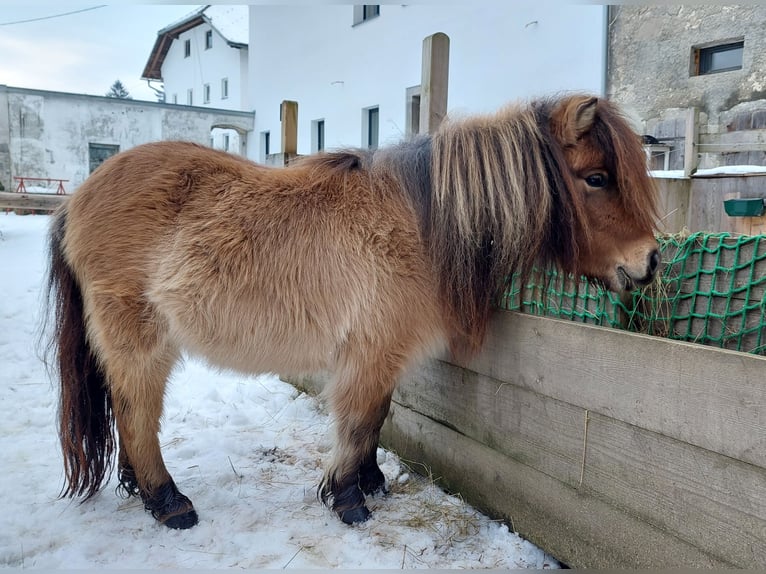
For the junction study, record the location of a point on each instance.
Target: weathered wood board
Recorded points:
(31, 201)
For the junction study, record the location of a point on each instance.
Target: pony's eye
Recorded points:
(596, 180)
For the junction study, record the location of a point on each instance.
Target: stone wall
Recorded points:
(650, 73)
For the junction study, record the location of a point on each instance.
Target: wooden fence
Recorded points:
(25, 201)
(606, 448)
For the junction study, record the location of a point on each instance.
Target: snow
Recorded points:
(726, 170)
(247, 450)
(231, 21)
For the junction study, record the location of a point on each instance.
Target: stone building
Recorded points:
(664, 60)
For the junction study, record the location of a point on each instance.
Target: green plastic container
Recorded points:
(752, 207)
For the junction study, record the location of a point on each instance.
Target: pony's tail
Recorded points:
(86, 419)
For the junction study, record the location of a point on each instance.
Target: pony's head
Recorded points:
(614, 196)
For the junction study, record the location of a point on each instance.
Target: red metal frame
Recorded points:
(22, 188)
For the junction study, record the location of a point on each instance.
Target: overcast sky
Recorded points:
(84, 52)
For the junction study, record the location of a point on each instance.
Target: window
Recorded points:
(224, 88)
(413, 111)
(98, 153)
(265, 145)
(189, 97)
(370, 11)
(364, 12)
(317, 136)
(226, 142)
(208, 39)
(187, 48)
(715, 58)
(370, 127)
(206, 93)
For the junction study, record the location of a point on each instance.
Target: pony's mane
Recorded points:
(500, 203)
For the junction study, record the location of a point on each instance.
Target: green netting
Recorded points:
(712, 290)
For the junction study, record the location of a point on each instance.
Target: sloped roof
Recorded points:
(230, 21)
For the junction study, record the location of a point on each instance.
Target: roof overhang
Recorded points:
(165, 37)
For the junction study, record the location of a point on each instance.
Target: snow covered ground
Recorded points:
(248, 451)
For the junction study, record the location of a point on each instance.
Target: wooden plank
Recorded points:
(673, 204)
(31, 201)
(434, 83)
(573, 525)
(691, 137)
(660, 385)
(289, 117)
(736, 141)
(684, 490)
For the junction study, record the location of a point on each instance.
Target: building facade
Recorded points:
(355, 71)
(202, 60)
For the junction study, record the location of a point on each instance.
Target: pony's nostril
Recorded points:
(654, 261)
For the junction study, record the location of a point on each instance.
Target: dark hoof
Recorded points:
(170, 507)
(182, 521)
(354, 515)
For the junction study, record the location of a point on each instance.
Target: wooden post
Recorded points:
(691, 141)
(434, 82)
(289, 116)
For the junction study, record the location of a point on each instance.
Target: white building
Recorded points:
(202, 60)
(354, 70)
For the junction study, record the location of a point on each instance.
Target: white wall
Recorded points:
(202, 67)
(499, 51)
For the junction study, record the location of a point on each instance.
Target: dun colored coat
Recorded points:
(357, 262)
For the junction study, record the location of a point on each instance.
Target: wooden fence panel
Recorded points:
(31, 201)
(711, 398)
(579, 529)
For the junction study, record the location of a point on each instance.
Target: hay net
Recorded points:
(712, 290)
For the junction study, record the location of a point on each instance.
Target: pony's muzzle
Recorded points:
(632, 281)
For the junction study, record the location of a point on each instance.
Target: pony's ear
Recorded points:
(573, 118)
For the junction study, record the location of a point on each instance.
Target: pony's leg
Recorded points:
(360, 399)
(138, 389)
(128, 484)
(137, 359)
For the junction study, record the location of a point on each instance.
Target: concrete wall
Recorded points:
(650, 55)
(47, 134)
(499, 51)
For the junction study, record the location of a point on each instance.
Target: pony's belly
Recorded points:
(300, 355)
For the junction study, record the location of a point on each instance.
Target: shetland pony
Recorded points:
(356, 262)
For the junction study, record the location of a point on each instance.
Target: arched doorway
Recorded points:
(230, 138)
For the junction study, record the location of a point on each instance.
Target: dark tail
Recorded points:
(86, 419)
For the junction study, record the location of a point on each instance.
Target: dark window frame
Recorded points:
(372, 117)
(365, 12)
(703, 55)
(187, 48)
(224, 88)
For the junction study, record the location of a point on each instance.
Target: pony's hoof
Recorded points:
(354, 515)
(182, 521)
(171, 508)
